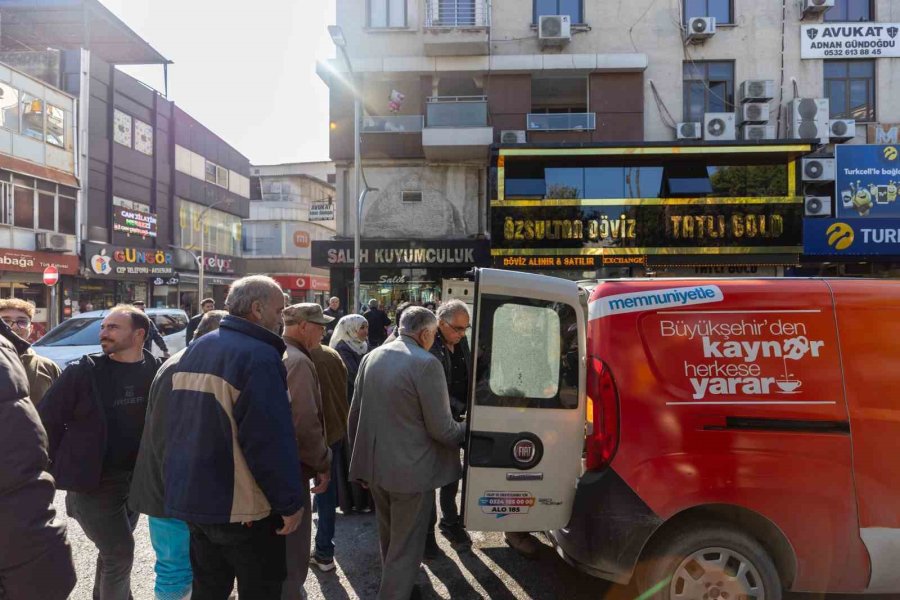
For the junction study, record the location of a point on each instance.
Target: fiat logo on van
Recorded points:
(524, 451)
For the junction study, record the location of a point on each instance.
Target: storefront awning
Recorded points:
(24, 167)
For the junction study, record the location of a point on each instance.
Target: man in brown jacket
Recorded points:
(42, 372)
(304, 326)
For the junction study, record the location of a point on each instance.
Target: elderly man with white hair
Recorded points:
(405, 445)
(232, 467)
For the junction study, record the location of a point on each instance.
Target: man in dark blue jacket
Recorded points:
(94, 416)
(232, 470)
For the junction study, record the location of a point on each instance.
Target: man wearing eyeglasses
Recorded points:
(451, 348)
(41, 371)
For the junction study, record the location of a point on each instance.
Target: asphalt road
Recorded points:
(490, 570)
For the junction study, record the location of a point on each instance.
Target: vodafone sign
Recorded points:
(303, 282)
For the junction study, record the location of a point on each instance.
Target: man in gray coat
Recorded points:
(405, 444)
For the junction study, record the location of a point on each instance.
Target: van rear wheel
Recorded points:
(708, 563)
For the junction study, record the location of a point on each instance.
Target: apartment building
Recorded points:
(291, 205)
(38, 191)
(588, 138)
(157, 190)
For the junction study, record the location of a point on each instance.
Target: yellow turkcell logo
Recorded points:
(840, 236)
(890, 152)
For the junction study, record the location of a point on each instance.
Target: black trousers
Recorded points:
(254, 554)
(449, 511)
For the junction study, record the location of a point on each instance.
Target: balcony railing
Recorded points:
(457, 14)
(562, 121)
(393, 124)
(456, 111)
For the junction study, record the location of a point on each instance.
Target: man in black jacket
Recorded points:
(378, 324)
(452, 349)
(94, 416)
(334, 311)
(35, 558)
(153, 335)
(207, 305)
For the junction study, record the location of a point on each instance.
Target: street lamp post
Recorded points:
(201, 219)
(362, 187)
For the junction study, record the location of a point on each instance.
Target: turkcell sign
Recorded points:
(851, 237)
(850, 40)
(868, 177)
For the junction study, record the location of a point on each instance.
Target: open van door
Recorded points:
(526, 411)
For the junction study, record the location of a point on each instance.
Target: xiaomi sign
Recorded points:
(301, 239)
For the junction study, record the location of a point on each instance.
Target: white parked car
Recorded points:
(70, 340)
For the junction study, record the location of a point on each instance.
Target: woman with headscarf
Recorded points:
(349, 339)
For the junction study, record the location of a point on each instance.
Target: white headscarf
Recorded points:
(347, 330)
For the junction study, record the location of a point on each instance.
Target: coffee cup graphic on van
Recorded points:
(788, 385)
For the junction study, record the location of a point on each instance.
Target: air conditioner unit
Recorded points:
(512, 136)
(755, 133)
(817, 206)
(818, 169)
(718, 127)
(757, 90)
(808, 119)
(700, 28)
(841, 130)
(689, 131)
(811, 7)
(55, 242)
(754, 112)
(554, 30)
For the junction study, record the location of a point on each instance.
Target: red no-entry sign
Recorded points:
(51, 275)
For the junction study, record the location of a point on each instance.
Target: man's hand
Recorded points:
(291, 523)
(322, 480)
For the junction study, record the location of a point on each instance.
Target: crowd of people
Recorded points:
(270, 412)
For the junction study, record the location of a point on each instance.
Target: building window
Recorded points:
(722, 10)
(9, 107)
(850, 89)
(221, 231)
(383, 14)
(708, 87)
(263, 239)
(143, 137)
(56, 126)
(850, 10)
(216, 174)
(122, 125)
(67, 207)
(32, 117)
(573, 8)
(23, 211)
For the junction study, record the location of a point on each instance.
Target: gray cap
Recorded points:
(305, 311)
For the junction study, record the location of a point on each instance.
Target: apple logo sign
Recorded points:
(100, 263)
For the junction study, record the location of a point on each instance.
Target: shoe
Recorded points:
(432, 550)
(323, 564)
(524, 543)
(457, 535)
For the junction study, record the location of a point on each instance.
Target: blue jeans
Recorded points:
(326, 503)
(171, 541)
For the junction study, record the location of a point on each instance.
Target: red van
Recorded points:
(742, 436)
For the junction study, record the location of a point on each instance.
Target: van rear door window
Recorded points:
(527, 354)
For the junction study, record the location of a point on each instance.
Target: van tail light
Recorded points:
(602, 438)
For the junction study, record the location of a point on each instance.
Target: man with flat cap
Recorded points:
(304, 326)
